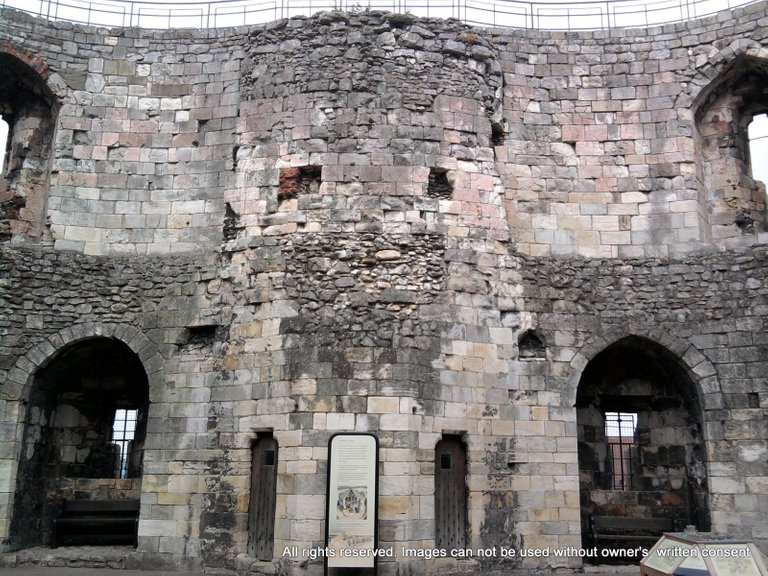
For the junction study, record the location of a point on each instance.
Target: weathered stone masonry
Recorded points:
(379, 223)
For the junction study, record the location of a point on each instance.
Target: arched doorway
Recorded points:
(84, 434)
(640, 438)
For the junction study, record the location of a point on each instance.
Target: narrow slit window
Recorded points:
(4, 135)
(123, 432)
(758, 147)
(620, 429)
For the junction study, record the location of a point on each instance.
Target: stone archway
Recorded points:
(640, 437)
(30, 385)
(84, 431)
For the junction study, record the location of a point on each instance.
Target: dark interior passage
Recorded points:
(641, 450)
(84, 434)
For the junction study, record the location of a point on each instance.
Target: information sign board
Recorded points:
(352, 504)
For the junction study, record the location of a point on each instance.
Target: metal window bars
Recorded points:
(620, 428)
(123, 433)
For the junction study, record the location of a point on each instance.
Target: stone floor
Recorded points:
(125, 561)
(35, 571)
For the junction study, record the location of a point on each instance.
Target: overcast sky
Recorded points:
(758, 134)
(544, 14)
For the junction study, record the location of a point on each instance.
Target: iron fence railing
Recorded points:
(542, 14)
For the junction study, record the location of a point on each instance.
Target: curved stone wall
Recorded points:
(369, 216)
(371, 222)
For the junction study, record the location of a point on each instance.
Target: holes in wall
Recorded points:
(232, 224)
(235, 150)
(497, 134)
(201, 336)
(532, 346)
(297, 181)
(399, 21)
(81, 137)
(438, 185)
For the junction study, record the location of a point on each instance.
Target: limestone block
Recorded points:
(386, 405)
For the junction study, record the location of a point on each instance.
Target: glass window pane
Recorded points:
(123, 432)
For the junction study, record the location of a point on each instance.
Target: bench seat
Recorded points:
(97, 522)
(619, 528)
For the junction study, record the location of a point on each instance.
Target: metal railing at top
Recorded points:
(542, 14)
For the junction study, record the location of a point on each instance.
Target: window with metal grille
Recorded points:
(123, 432)
(620, 428)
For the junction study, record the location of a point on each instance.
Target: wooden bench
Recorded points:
(97, 522)
(620, 528)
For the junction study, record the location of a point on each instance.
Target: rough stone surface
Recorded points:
(375, 223)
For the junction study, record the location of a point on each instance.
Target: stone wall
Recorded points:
(143, 137)
(54, 301)
(371, 222)
(351, 280)
(585, 305)
(607, 135)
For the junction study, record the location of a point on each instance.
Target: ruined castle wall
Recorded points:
(585, 305)
(367, 256)
(388, 208)
(54, 300)
(603, 131)
(145, 146)
(144, 135)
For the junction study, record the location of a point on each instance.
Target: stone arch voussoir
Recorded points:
(19, 382)
(711, 69)
(700, 369)
(53, 80)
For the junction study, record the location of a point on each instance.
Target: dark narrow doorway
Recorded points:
(450, 493)
(261, 508)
